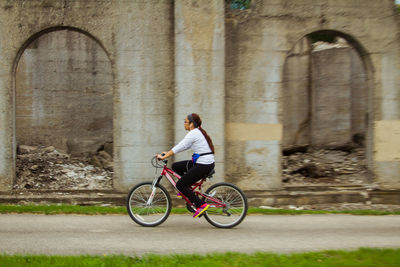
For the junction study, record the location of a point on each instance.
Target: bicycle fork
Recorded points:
(153, 190)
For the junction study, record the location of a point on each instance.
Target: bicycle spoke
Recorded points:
(235, 209)
(145, 213)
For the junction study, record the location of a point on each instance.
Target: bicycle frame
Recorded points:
(196, 188)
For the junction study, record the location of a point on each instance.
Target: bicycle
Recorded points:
(149, 203)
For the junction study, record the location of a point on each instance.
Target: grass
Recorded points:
(62, 209)
(100, 210)
(361, 257)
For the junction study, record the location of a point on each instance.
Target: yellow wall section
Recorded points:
(253, 132)
(387, 140)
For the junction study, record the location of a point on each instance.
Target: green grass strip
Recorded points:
(363, 257)
(62, 209)
(101, 210)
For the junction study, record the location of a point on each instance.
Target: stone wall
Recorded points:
(263, 44)
(199, 72)
(254, 60)
(137, 37)
(64, 93)
(296, 96)
(339, 95)
(169, 58)
(324, 97)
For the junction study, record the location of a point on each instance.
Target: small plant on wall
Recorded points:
(240, 4)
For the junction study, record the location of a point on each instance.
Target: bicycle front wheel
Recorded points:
(145, 212)
(235, 205)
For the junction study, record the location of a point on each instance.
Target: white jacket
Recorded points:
(196, 141)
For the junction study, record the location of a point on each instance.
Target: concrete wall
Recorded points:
(331, 92)
(254, 62)
(169, 58)
(325, 95)
(339, 95)
(137, 37)
(199, 71)
(64, 93)
(258, 44)
(296, 96)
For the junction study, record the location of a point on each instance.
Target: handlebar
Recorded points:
(156, 162)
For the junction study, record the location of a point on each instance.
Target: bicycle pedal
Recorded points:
(190, 208)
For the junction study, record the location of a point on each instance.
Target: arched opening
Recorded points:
(326, 111)
(63, 112)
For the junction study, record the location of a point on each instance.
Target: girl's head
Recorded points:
(193, 121)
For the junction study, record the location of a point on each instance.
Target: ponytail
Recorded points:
(195, 118)
(208, 138)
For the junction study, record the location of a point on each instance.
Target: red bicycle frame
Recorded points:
(196, 187)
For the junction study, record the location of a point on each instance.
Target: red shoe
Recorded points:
(200, 210)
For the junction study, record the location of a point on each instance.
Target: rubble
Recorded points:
(346, 166)
(46, 168)
(339, 43)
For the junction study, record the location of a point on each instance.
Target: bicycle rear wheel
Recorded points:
(148, 214)
(236, 205)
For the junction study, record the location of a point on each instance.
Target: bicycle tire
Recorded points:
(144, 214)
(235, 200)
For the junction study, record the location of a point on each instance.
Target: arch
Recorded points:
(370, 70)
(306, 41)
(98, 52)
(361, 50)
(52, 29)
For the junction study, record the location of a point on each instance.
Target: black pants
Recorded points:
(189, 175)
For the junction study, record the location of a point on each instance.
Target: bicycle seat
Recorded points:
(210, 175)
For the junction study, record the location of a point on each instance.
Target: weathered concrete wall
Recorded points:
(258, 43)
(338, 97)
(325, 99)
(199, 71)
(296, 97)
(137, 36)
(386, 159)
(359, 95)
(254, 62)
(331, 104)
(143, 42)
(167, 59)
(64, 93)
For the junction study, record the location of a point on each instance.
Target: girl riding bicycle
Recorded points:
(202, 162)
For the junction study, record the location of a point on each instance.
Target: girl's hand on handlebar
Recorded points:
(161, 156)
(165, 155)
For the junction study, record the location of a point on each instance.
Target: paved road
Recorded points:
(74, 234)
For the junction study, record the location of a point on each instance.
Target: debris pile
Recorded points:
(339, 43)
(47, 168)
(326, 166)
